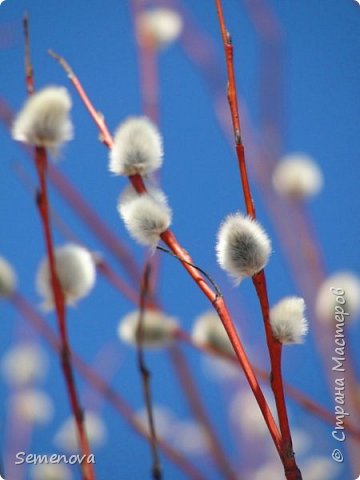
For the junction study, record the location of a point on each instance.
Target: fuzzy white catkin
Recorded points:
(7, 278)
(287, 320)
(137, 148)
(50, 471)
(145, 218)
(210, 332)
(160, 26)
(297, 176)
(76, 271)
(44, 119)
(158, 329)
(341, 289)
(24, 364)
(243, 248)
(33, 406)
(66, 438)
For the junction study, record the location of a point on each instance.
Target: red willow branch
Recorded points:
(170, 240)
(97, 382)
(292, 471)
(42, 202)
(40, 157)
(146, 375)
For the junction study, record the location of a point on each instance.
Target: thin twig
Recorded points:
(146, 375)
(292, 471)
(206, 275)
(97, 117)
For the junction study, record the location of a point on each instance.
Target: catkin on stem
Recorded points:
(243, 248)
(44, 119)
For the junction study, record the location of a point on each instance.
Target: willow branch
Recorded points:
(287, 454)
(218, 303)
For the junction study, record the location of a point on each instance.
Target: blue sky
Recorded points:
(319, 108)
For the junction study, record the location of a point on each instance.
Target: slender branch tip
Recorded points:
(61, 60)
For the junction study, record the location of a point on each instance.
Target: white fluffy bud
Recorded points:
(33, 406)
(158, 329)
(50, 471)
(297, 176)
(210, 332)
(76, 271)
(44, 120)
(7, 278)
(160, 26)
(24, 364)
(287, 320)
(243, 248)
(95, 428)
(341, 290)
(137, 148)
(145, 218)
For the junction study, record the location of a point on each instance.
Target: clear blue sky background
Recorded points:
(321, 108)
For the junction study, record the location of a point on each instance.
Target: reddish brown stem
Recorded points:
(189, 386)
(233, 104)
(58, 297)
(291, 470)
(96, 381)
(218, 302)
